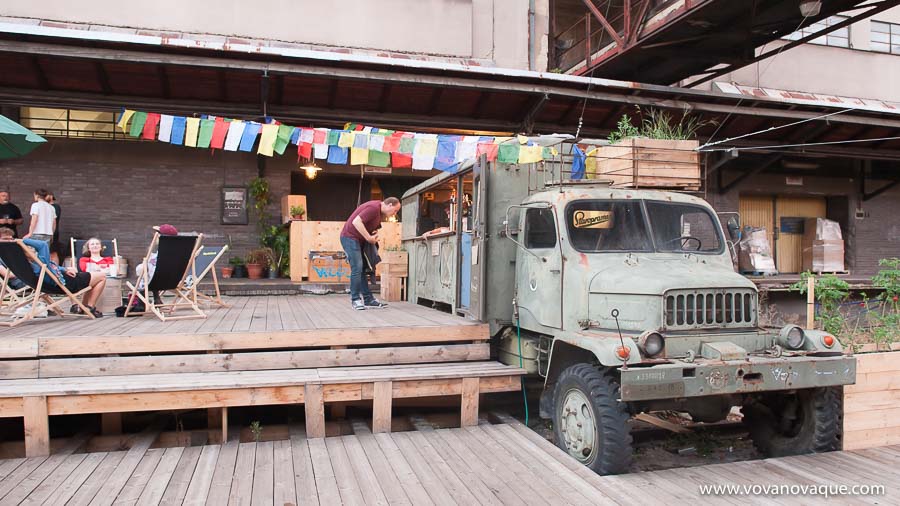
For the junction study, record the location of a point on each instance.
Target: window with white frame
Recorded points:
(884, 37)
(837, 38)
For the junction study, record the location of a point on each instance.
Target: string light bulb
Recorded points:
(310, 169)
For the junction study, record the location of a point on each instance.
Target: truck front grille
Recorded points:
(701, 309)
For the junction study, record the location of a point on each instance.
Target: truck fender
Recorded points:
(569, 350)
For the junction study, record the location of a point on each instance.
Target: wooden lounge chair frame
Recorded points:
(211, 267)
(184, 297)
(39, 294)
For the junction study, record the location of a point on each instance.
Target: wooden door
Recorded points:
(759, 211)
(788, 243)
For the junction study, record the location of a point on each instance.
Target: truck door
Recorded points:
(477, 254)
(539, 269)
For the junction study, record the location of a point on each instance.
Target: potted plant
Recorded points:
(297, 213)
(240, 271)
(257, 260)
(277, 240)
(227, 271)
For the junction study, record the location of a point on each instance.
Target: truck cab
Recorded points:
(626, 300)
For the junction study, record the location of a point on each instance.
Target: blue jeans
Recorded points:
(359, 284)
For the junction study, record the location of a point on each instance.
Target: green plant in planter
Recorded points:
(235, 261)
(658, 124)
(830, 292)
(886, 323)
(259, 256)
(297, 211)
(262, 197)
(278, 240)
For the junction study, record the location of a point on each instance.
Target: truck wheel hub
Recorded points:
(577, 425)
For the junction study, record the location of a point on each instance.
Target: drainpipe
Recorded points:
(531, 35)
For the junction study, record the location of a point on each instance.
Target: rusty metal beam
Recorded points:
(602, 19)
(638, 21)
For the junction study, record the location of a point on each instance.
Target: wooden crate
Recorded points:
(872, 405)
(309, 236)
(328, 267)
(650, 163)
(393, 281)
(292, 200)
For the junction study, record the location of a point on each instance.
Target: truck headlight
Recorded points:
(651, 343)
(792, 336)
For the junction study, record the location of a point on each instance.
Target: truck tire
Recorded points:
(808, 421)
(590, 423)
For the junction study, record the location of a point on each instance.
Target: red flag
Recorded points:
(401, 161)
(220, 129)
(149, 131)
(487, 148)
(304, 150)
(391, 144)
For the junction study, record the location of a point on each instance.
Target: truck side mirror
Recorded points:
(734, 229)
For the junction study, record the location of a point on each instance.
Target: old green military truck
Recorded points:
(622, 301)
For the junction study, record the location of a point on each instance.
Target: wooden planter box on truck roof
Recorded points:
(650, 163)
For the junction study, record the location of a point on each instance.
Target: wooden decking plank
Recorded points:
(816, 475)
(176, 490)
(111, 488)
(242, 484)
(307, 480)
(288, 319)
(533, 477)
(21, 472)
(74, 481)
(38, 494)
(343, 472)
(156, 486)
(369, 483)
(419, 446)
(88, 490)
(471, 471)
(429, 478)
(385, 473)
(198, 488)
(17, 346)
(220, 486)
(530, 446)
(259, 320)
(740, 474)
(135, 484)
(689, 480)
(411, 485)
(264, 474)
(8, 466)
(13, 493)
(285, 490)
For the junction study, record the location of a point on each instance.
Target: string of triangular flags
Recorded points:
(355, 144)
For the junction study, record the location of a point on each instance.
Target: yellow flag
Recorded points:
(267, 140)
(522, 139)
(359, 156)
(192, 127)
(345, 140)
(123, 120)
(530, 154)
(590, 167)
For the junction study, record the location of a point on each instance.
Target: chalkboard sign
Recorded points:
(791, 225)
(234, 206)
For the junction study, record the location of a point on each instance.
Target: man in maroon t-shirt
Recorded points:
(361, 227)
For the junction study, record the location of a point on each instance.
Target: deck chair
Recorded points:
(109, 248)
(204, 264)
(18, 259)
(174, 261)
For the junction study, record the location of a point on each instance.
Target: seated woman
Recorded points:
(91, 258)
(73, 281)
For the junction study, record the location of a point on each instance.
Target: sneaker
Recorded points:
(375, 303)
(358, 305)
(95, 312)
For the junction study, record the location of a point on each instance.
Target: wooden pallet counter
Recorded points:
(309, 236)
(872, 405)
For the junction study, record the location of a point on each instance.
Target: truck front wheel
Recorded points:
(590, 422)
(807, 421)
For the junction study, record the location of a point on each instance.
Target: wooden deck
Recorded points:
(267, 322)
(484, 464)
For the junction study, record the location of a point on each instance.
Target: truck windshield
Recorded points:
(683, 227)
(596, 226)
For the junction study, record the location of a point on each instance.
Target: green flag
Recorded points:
(206, 131)
(333, 136)
(407, 144)
(283, 138)
(508, 153)
(137, 123)
(379, 158)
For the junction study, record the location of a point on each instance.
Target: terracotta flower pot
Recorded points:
(255, 271)
(297, 217)
(227, 272)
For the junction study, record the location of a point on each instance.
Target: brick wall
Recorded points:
(873, 237)
(121, 189)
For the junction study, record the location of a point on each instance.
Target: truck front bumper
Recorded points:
(679, 379)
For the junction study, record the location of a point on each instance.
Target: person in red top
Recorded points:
(92, 259)
(362, 227)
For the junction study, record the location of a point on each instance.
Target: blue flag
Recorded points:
(177, 136)
(446, 155)
(578, 158)
(337, 155)
(249, 136)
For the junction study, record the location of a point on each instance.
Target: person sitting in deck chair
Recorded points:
(73, 281)
(164, 229)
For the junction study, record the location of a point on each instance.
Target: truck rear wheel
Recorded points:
(590, 423)
(807, 421)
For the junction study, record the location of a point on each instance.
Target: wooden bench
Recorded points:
(37, 399)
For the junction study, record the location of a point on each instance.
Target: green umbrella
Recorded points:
(16, 140)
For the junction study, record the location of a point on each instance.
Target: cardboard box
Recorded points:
(822, 246)
(754, 254)
(329, 267)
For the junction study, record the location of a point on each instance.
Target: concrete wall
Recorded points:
(853, 72)
(121, 189)
(493, 30)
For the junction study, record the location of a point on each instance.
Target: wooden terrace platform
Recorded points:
(484, 464)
